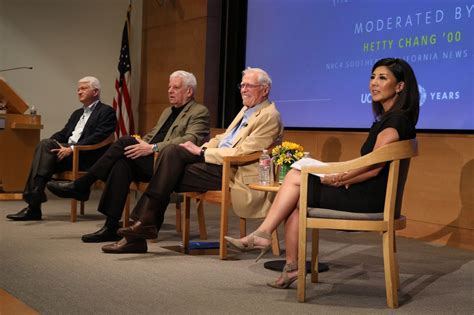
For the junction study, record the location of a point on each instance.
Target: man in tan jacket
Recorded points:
(130, 159)
(188, 167)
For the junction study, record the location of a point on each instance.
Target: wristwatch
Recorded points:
(155, 147)
(203, 151)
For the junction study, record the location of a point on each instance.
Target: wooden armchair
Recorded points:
(398, 154)
(75, 173)
(222, 197)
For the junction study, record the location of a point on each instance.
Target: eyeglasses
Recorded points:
(241, 86)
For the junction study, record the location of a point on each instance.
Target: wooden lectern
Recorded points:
(19, 135)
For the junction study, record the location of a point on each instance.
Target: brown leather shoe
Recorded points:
(139, 231)
(125, 246)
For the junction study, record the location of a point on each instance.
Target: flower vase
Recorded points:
(283, 170)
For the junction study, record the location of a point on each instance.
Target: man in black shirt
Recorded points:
(130, 159)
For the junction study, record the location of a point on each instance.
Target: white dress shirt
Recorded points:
(77, 132)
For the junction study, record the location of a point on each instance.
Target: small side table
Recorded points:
(278, 265)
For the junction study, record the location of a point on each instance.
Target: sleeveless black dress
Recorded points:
(367, 196)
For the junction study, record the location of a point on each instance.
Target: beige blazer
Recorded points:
(192, 124)
(263, 130)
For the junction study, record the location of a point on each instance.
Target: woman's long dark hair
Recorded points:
(408, 100)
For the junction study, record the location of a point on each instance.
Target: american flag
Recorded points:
(122, 101)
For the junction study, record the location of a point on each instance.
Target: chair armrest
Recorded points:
(243, 159)
(77, 148)
(393, 151)
(235, 161)
(88, 147)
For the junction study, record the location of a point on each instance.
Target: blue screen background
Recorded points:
(320, 53)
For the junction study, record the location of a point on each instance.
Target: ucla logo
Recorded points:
(423, 94)
(365, 98)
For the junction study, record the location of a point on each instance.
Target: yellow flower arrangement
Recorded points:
(287, 153)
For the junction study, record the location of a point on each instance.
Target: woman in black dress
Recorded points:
(395, 104)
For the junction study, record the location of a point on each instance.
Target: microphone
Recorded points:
(16, 68)
(245, 125)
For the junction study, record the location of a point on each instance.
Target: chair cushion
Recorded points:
(343, 215)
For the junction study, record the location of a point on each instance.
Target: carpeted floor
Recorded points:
(45, 265)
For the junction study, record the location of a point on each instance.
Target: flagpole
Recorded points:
(129, 18)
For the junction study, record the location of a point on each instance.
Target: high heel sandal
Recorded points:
(237, 244)
(286, 280)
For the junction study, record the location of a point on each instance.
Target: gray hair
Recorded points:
(262, 76)
(188, 78)
(92, 81)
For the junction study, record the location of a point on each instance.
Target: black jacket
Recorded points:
(99, 126)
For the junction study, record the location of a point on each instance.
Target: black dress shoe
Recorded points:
(105, 234)
(26, 214)
(67, 190)
(125, 246)
(139, 231)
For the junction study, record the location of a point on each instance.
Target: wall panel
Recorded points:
(176, 37)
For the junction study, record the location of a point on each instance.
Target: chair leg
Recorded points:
(73, 210)
(243, 226)
(395, 259)
(223, 231)
(301, 281)
(201, 221)
(314, 255)
(275, 243)
(389, 269)
(178, 217)
(82, 207)
(187, 207)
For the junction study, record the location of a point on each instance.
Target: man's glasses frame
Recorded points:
(241, 86)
